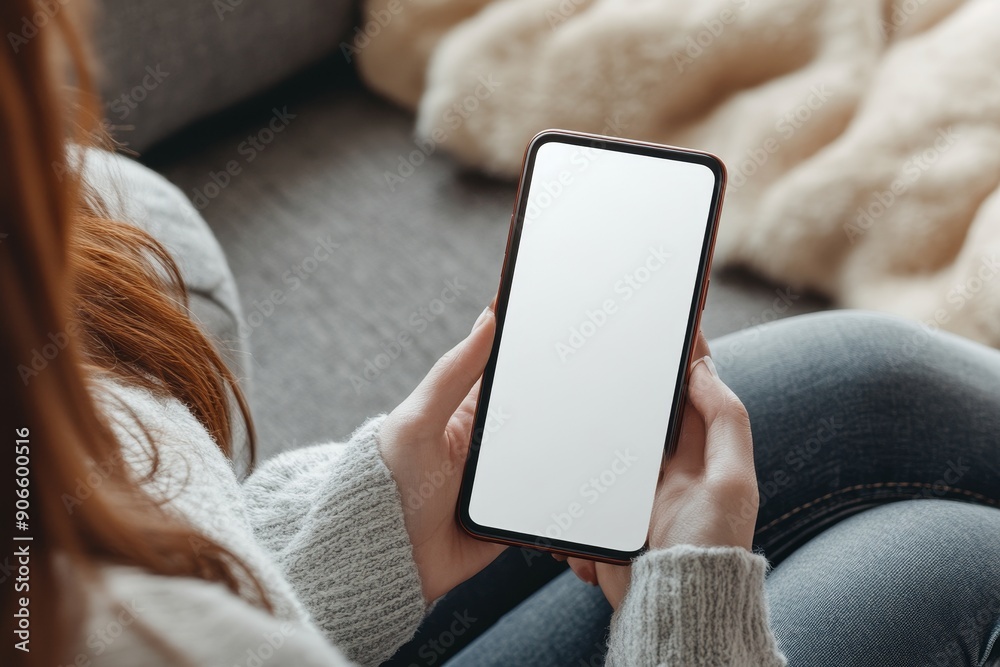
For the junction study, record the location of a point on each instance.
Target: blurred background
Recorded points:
(355, 162)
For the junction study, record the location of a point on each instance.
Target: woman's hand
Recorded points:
(424, 443)
(707, 493)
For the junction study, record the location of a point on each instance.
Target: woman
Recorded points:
(850, 412)
(146, 550)
(162, 557)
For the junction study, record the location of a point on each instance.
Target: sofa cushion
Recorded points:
(165, 64)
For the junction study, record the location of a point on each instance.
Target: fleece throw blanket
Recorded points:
(862, 137)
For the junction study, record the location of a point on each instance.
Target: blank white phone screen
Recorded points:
(592, 340)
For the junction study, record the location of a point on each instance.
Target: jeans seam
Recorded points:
(990, 645)
(878, 485)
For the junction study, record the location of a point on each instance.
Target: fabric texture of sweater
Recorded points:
(322, 530)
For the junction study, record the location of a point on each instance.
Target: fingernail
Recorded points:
(483, 316)
(710, 365)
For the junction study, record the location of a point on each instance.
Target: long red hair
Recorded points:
(110, 299)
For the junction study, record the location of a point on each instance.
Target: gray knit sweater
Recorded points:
(322, 529)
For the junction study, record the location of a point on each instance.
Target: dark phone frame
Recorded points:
(599, 142)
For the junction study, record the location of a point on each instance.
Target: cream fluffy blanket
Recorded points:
(862, 136)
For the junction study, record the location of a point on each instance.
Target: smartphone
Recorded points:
(600, 297)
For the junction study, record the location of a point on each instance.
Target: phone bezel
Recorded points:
(565, 547)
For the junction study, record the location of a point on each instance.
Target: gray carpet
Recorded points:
(321, 322)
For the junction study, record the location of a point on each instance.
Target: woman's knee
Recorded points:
(873, 356)
(911, 582)
(841, 335)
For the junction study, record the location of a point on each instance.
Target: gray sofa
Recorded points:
(249, 109)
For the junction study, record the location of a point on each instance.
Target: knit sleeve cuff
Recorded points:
(343, 544)
(694, 606)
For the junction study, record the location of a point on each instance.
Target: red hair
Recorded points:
(113, 296)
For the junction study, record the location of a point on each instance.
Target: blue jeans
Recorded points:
(878, 461)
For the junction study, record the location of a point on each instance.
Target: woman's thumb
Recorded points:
(453, 376)
(727, 425)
